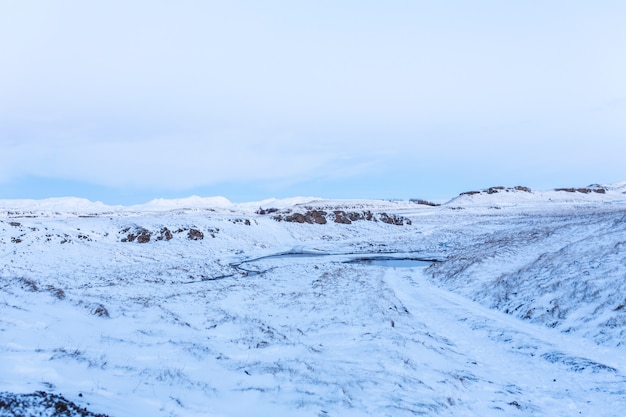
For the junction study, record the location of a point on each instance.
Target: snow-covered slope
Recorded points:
(497, 197)
(50, 206)
(179, 308)
(563, 269)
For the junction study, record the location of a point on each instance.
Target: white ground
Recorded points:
(525, 316)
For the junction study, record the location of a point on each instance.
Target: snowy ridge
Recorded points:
(195, 201)
(523, 196)
(202, 307)
(491, 197)
(56, 205)
(79, 206)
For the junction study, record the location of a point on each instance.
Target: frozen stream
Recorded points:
(393, 260)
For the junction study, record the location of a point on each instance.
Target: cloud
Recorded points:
(148, 94)
(176, 162)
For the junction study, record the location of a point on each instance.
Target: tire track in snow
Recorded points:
(546, 369)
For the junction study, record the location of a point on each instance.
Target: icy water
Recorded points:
(398, 261)
(394, 262)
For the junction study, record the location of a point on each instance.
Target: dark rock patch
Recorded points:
(165, 234)
(340, 216)
(499, 189)
(584, 190)
(424, 202)
(41, 404)
(394, 219)
(99, 310)
(195, 234)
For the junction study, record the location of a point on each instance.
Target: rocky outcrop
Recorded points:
(424, 202)
(310, 217)
(499, 189)
(394, 219)
(41, 403)
(142, 235)
(139, 234)
(165, 234)
(340, 216)
(195, 234)
(585, 190)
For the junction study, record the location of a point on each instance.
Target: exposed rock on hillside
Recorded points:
(165, 234)
(40, 404)
(311, 217)
(340, 216)
(585, 190)
(139, 234)
(424, 202)
(143, 235)
(195, 234)
(498, 189)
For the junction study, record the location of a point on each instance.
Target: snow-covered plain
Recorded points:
(523, 314)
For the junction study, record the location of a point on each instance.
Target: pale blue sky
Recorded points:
(123, 101)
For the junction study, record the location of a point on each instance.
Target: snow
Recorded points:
(510, 197)
(524, 315)
(182, 203)
(62, 204)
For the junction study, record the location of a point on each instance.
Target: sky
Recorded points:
(123, 102)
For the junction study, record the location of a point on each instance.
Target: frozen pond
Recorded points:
(394, 262)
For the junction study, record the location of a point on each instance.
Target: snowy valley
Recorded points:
(202, 307)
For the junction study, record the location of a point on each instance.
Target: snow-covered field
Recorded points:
(180, 308)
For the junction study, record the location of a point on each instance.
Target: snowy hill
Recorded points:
(203, 307)
(500, 196)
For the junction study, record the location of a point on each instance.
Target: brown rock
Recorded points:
(195, 234)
